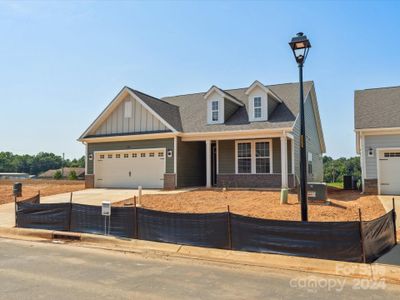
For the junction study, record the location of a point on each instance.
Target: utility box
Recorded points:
(316, 191)
(348, 183)
(17, 189)
(106, 208)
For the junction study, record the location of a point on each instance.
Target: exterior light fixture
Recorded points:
(300, 46)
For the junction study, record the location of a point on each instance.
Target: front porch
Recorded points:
(261, 162)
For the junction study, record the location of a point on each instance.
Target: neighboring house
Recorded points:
(377, 127)
(14, 176)
(80, 172)
(246, 137)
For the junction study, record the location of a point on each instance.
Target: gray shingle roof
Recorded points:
(377, 108)
(193, 110)
(167, 111)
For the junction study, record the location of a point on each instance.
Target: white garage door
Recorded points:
(130, 169)
(389, 172)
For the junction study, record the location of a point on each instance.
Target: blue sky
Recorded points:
(62, 62)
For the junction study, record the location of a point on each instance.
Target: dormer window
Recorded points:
(214, 111)
(257, 107)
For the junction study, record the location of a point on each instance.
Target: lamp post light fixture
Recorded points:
(300, 46)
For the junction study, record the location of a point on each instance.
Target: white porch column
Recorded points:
(292, 147)
(284, 162)
(208, 163)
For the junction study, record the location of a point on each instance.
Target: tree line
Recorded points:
(334, 169)
(36, 164)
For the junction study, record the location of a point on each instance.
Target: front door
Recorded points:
(213, 164)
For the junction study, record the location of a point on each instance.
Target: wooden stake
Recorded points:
(70, 212)
(229, 229)
(394, 221)
(136, 219)
(361, 237)
(15, 211)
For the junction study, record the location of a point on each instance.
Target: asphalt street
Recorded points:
(37, 270)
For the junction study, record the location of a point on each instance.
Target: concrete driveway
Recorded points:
(88, 196)
(387, 202)
(96, 196)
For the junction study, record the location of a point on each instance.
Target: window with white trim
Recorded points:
(244, 158)
(262, 157)
(257, 107)
(214, 111)
(254, 157)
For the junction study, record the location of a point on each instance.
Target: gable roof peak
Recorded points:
(257, 83)
(222, 93)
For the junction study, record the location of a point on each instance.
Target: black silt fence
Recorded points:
(379, 236)
(88, 218)
(54, 216)
(206, 230)
(344, 241)
(326, 240)
(33, 200)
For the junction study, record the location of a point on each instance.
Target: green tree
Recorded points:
(334, 169)
(72, 175)
(57, 175)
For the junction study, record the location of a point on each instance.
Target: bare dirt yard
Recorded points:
(343, 206)
(30, 187)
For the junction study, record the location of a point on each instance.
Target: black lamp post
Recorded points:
(300, 46)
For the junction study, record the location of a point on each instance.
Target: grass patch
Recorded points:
(338, 185)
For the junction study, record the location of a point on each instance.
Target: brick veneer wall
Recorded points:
(252, 180)
(89, 181)
(371, 186)
(169, 181)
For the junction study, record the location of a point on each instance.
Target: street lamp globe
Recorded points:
(300, 46)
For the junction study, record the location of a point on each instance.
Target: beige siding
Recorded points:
(142, 120)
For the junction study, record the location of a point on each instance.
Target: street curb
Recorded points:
(388, 273)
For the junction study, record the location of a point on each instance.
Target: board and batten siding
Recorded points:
(312, 143)
(168, 144)
(141, 120)
(374, 142)
(191, 163)
(227, 156)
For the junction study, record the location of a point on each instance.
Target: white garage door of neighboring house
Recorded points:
(130, 168)
(389, 172)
